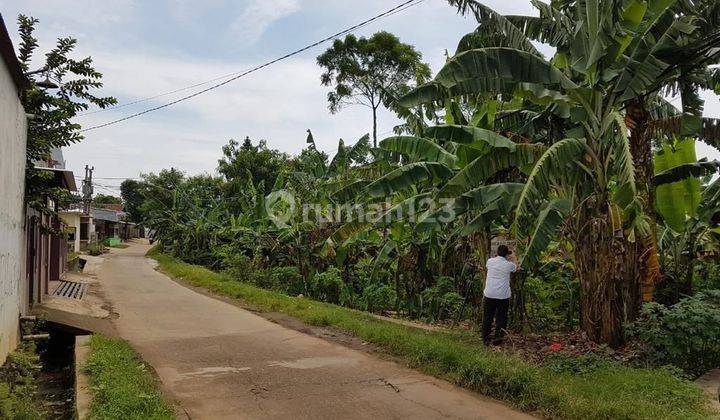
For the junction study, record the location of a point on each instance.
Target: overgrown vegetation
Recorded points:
(18, 384)
(578, 159)
(684, 335)
(122, 385)
(586, 388)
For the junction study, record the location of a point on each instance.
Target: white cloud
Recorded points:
(257, 16)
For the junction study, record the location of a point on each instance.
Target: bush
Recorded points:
(95, 249)
(707, 276)
(685, 334)
(442, 301)
(235, 263)
(378, 298)
(327, 286)
(287, 280)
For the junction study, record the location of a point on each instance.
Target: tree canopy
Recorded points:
(370, 72)
(53, 108)
(106, 199)
(257, 161)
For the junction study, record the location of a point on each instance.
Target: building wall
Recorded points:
(72, 219)
(13, 291)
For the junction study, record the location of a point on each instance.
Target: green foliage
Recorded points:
(612, 392)
(132, 195)
(53, 110)
(370, 71)
(676, 201)
(106, 199)
(684, 335)
(122, 385)
(327, 286)
(261, 164)
(18, 385)
(95, 249)
(707, 276)
(378, 298)
(552, 296)
(442, 301)
(586, 364)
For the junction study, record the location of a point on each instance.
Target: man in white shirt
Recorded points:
(496, 301)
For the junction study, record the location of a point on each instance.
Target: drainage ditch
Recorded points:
(56, 381)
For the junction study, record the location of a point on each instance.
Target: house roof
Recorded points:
(106, 214)
(11, 62)
(66, 177)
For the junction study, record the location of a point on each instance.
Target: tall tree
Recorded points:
(133, 195)
(370, 72)
(262, 164)
(53, 107)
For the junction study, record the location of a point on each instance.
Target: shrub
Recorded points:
(378, 297)
(327, 286)
(287, 280)
(95, 249)
(685, 334)
(441, 301)
(237, 264)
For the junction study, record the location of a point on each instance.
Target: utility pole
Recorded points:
(87, 189)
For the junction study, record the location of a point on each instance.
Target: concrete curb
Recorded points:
(83, 396)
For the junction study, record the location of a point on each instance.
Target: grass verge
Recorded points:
(18, 384)
(607, 391)
(122, 387)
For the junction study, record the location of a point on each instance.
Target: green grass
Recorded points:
(609, 391)
(122, 386)
(19, 384)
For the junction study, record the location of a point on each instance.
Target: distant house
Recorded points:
(107, 222)
(111, 222)
(14, 296)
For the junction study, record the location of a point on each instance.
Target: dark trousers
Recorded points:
(496, 309)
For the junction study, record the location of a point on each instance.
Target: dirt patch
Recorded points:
(539, 348)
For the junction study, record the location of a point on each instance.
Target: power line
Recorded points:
(160, 95)
(405, 5)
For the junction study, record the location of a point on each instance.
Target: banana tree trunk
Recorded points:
(637, 118)
(608, 275)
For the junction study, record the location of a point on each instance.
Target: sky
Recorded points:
(147, 48)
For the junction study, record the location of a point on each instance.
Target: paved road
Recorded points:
(220, 361)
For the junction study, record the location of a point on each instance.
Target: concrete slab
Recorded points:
(83, 391)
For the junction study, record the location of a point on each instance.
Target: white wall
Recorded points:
(13, 132)
(72, 219)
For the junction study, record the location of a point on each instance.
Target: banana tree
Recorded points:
(672, 47)
(605, 57)
(680, 246)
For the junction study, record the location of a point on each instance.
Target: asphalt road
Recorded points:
(216, 360)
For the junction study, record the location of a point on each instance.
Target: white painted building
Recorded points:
(73, 220)
(13, 137)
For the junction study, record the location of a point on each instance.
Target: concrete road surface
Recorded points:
(219, 361)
